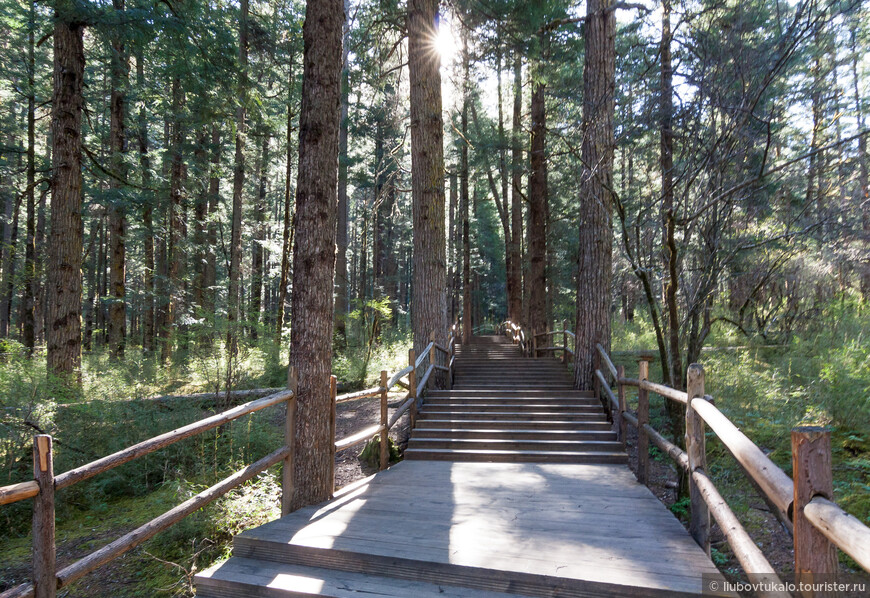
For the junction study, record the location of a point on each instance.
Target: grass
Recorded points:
(821, 377)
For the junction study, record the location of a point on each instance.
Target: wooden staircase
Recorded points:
(512, 487)
(505, 407)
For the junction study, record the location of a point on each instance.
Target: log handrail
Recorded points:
(423, 355)
(89, 470)
(16, 492)
(607, 361)
(828, 520)
(355, 439)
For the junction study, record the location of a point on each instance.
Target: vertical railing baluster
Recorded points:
(412, 388)
(44, 550)
(332, 394)
(385, 448)
(642, 420)
(815, 557)
(620, 394)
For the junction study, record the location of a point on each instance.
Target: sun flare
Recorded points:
(445, 42)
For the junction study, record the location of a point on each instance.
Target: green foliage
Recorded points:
(371, 452)
(681, 507)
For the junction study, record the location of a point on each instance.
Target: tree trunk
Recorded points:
(341, 290)
(538, 210)
(200, 211)
(176, 223)
(214, 182)
(64, 289)
(238, 188)
(257, 251)
(287, 234)
(594, 256)
(147, 215)
(863, 178)
(467, 311)
(117, 211)
(314, 249)
(10, 242)
(429, 299)
(515, 275)
(30, 272)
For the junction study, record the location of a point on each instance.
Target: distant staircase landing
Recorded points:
(507, 490)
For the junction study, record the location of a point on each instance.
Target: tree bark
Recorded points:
(117, 211)
(214, 201)
(863, 178)
(596, 201)
(467, 311)
(341, 290)
(515, 274)
(287, 234)
(147, 215)
(538, 210)
(30, 282)
(238, 188)
(257, 251)
(314, 249)
(429, 299)
(64, 289)
(176, 224)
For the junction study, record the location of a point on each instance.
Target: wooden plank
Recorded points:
(93, 468)
(15, 492)
(132, 539)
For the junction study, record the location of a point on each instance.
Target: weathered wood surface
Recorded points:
(578, 524)
(772, 480)
(16, 492)
(841, 528)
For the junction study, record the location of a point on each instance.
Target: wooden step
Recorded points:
(486, 444)
(517, 434)
(511, 415)
(515, 456)
(539, 407)
(508, 392)
(502, 424)
(249, 578)
(527, 401)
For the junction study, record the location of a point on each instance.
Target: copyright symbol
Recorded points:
(714, 586)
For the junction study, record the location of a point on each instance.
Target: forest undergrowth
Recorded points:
(111, 414)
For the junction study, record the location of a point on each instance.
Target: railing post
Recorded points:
(696, 450)
(289, 465)
(815, 557)
(642, 420)
(565, 341)
(450, 355)
(385, 446)
(44, 550)
(596, 383)
(432, 359)
(534, 345)
(332, 389)
(412, 388)
(620, 394)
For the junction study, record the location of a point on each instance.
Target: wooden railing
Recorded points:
(47, 579)
(804, 504)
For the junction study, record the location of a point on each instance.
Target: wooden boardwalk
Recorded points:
(487, 521)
